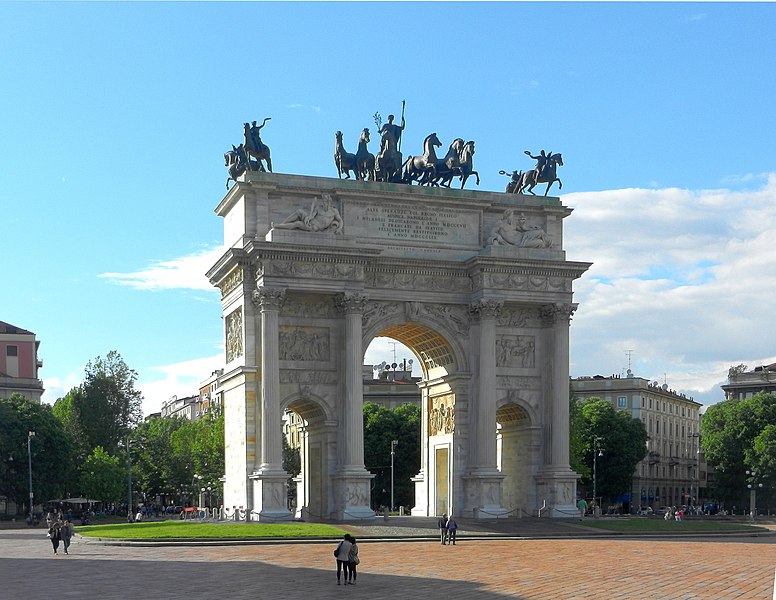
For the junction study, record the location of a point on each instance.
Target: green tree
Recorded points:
(381, 427)
(623, 443)
(52, 452)
(740, 435)
(199, 446)
(104, 409)
(104, 477)
(576, 440)
(156, 469)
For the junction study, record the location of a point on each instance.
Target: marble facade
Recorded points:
(316, 268)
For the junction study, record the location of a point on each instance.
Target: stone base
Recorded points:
(421, 503)
(483, 495)
(352, 496)
(270, 497)
(556, 492)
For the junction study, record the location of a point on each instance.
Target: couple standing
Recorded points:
(60, 532)
(447, 529)
(347, 559)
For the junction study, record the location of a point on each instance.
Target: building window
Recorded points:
(12, 351)
(657, 425)
(643, 402)
(650, 402)
(622, 402)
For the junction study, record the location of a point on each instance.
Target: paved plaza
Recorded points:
(573, 566)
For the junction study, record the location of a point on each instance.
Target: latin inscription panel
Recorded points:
(413, 223)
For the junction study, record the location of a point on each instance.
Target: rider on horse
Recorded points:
(542, 161)
(391, 134)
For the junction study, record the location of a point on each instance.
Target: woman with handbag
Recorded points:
(54, 535)
(353, 560)
(342, 554)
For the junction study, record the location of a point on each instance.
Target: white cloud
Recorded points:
(186, 272)
(180, 379)
(56, 387)
(682, 278)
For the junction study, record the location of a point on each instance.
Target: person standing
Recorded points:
(353, 560)
(442, 524)
(54, 535)
(582, 506)
(66, 531)
(452, 528)
(342, 554)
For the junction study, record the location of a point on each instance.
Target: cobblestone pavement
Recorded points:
(488, 569)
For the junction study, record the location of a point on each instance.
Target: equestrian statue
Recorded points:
(255, 148)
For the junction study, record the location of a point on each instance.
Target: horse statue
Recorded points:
(416, 167)
(388, 161)
(448, 167)
(529, 180)
(365, 161)
(255, 148)
(236, 163)
(345, 161)
(467, 161)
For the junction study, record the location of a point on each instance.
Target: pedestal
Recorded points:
(351, 496)
(270, 498)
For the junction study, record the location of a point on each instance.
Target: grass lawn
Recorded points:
(644, 525)
(189, 529)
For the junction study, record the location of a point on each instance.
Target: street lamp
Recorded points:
(194, 486)
(597, 451)
(752, 493)
(394, 443)
(30, 435)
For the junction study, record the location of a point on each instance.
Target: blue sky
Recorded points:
(115, 117)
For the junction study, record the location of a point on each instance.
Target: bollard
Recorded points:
(385, 514)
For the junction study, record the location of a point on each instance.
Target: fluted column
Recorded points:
(352, 306)
(270, 301)
(558, 317)
(483, 445)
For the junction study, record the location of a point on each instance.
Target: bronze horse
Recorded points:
(365, 160)
(388, 161)
(448, 167)
(423, 168)
(345, 161)
(528, 179)
(236, 163)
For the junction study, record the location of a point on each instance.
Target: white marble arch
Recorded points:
(415, 264)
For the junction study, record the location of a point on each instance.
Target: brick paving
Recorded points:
(704, 568)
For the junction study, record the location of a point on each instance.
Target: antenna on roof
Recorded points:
(629, 353)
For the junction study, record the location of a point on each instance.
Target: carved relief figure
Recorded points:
(234, 345)
(515, 351)
(442, 416)
(322, 217)
(304, 343)
(516, 232)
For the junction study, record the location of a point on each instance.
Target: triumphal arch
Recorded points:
(475, 283)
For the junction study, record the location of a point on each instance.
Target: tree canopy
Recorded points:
(51, 448)
(621, 439)
(104, 409)
(382, 426)
(740, 435)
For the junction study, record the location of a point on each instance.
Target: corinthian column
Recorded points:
(484, 440)
(352, 438)
(270, 301)
(558, 317)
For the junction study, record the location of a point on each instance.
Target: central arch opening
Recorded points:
(419, 468)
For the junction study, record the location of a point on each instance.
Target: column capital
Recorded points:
(350, 302)
(557, 313)
(486, 308)
(268, 298)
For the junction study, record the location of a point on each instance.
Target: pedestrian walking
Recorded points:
(54, 534)
(452, 528)
(353, 560)
(442, 524)
(66, 531)
(342, 554)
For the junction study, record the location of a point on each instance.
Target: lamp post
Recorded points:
(30, 435)
(394, 443)
(194, 486)
(597, 451)
(753, 486)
